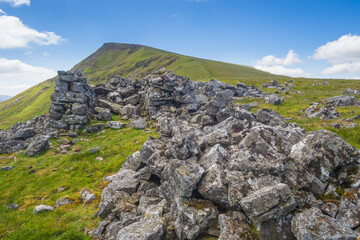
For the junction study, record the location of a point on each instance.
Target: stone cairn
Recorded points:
(73, 100)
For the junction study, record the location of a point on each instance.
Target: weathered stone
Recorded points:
(24, 133)
(342, 101)
(115, 124)
(182, 178)
(133, 162)
(270, 117)
(312, 224)
(95, 127)
(269, 203)
(274, 99)
(213, 186)
(234, 226)
(7, 168)
(139, 123)
(87, 197)
(10, 146)
(42, 208)
(63, 201)
(37, 145)
(192, 217)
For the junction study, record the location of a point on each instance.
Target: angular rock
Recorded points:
(115, 124)
(192, 217)
(95, 127)
(269, 203)
(37, 145)
(63, 201)
(312, 224)
(274, 99)
(87, 197)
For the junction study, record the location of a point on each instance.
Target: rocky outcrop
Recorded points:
(351, 91)
(325, 112)
(343, 101)
(73, 100)
(218, 170)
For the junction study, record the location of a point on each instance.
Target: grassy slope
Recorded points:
(74, 172)
(81, 170)
(127, 60)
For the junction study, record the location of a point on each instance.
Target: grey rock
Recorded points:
(213, 186)
(63, 201)
(94, 150)
(24, 133)
(42, 208)
(349, 213)
(115, 124)
(269, 203)
(274, 99)
(7, 168)
(312, 224)
(270, 117)
(87, 197)
(234, 226)
(343, 100)
(192, 217)
(10, 146)
(12, 206)
(95, 127)
(37, 145)
(139, 123)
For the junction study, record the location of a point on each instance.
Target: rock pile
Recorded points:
(33, 135)
(218, 171)
(352, 91)
(72, 100)
(343, 101)
(325, 112)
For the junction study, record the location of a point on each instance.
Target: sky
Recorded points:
(299, 38)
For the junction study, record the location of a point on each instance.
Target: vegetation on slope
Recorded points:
(127, 60)
(73, 172)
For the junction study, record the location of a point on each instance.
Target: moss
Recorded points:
(253, 231)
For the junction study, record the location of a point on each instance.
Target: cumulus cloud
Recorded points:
(14, 34)
(270, 60)
(277, 65)
(16, 76)
(345, 49)
(281, 70)
(17, 3)
(347, 68)
(343, 54)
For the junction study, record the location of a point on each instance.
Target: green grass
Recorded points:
(74, 173)
(135, 61)
(295, 103)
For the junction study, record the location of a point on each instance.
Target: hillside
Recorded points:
(127, 60)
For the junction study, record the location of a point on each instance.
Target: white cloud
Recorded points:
(345, 49)
(270, 60)
(347, 68)
(14, 34)
(16, 76)
(17, 3)
(277, 65)
(2, 12)
(343, 54)
(281, 70)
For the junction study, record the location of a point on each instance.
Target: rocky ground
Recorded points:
(217, 171)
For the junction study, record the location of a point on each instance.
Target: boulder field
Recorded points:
(217, 171)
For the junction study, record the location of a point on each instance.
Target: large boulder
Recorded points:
(37, 145)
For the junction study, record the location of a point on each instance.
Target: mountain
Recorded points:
(4, 97)
(127, 60)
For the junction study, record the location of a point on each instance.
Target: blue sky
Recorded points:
(311, 38)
